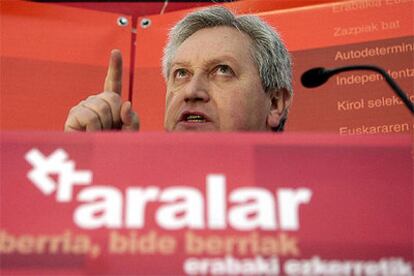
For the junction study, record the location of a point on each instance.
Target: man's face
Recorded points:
(214, 84)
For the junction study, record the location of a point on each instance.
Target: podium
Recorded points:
(212, 203)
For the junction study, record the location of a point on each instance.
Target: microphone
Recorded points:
(317, 76)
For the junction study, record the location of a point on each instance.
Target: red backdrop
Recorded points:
(53, 56)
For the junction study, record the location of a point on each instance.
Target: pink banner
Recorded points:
(238, 204)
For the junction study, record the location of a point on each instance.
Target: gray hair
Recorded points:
(270, 54)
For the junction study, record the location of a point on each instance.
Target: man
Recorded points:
(223, 73)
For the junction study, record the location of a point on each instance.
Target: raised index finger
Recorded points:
(113, 80)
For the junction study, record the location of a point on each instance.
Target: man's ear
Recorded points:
(280, 103)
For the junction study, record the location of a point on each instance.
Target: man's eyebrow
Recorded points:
(180, 64)
(221, 59)
(209, 62)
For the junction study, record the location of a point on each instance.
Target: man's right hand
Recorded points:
(105, 111)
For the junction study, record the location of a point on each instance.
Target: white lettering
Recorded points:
(172, 208)
(216, 201)
(257, 209)
(289, 201)
(188, 212)
(136, 201)
(103, 208)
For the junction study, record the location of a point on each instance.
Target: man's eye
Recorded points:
(224, 70)
(180, 73)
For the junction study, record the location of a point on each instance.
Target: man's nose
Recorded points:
(197, 89)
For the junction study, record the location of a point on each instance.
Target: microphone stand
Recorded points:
(325, 74)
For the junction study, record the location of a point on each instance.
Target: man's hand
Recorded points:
(106, 110)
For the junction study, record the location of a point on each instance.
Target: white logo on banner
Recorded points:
(56, 163)
(179, 206)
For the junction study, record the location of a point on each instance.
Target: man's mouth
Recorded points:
(194, 121)
(190, 117)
